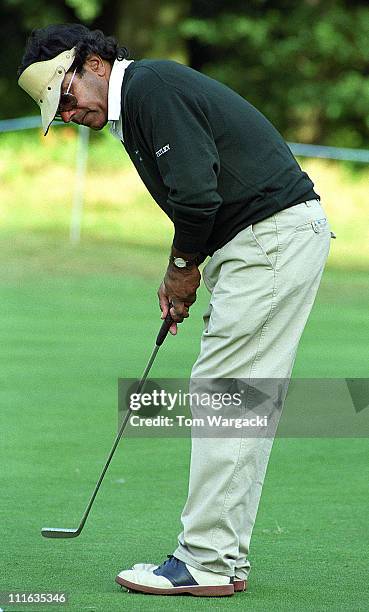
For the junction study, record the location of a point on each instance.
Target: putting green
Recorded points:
(66, 338)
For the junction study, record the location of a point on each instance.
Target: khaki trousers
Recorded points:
(262, 287)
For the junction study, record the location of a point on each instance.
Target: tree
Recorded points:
(304, 64)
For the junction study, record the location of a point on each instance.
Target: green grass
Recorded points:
(73, 321)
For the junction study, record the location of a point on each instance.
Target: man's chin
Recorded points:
(97, 127)
(95, 123)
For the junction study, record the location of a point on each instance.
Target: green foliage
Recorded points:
(307, 70)
(86, 10)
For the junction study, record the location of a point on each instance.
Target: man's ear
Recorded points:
(96, 64)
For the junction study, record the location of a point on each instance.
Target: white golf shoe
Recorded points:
(173, 577)
(239, 584)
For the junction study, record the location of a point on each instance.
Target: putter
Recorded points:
(56, 532)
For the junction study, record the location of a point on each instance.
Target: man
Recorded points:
(234, 192)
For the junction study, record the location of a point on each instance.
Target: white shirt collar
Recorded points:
(115, 97)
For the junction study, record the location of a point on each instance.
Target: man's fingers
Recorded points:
(173, 329)
(178, 305)
(163, 301)
(179, 311)
(164, 310)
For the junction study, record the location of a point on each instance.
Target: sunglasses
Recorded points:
(67, 100)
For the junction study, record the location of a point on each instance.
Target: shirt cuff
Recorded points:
(192, 237)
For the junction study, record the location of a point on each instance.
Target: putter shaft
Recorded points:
(55, 532)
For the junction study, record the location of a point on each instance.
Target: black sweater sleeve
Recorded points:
(175, 128)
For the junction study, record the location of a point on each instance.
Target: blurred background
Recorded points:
(84, 248)
(305, 65)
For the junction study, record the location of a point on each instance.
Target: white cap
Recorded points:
(43, 80)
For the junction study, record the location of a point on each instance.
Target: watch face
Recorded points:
(179, 262)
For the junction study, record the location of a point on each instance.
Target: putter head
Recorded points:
(55, 532)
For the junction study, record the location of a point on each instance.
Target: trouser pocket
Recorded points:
(265, 238)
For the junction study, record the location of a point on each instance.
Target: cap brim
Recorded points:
(43, 81)
(50, 105)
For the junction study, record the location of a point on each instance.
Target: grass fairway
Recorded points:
(72, 322)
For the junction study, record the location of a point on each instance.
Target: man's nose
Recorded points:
(67, 116)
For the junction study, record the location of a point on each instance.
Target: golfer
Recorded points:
(235, 194)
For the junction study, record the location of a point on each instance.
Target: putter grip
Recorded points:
(164, 328)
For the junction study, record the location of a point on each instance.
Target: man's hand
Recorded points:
(178, 288)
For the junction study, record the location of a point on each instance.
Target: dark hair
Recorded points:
(46, 43)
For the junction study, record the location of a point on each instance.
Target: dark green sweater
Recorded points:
(211, 161)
